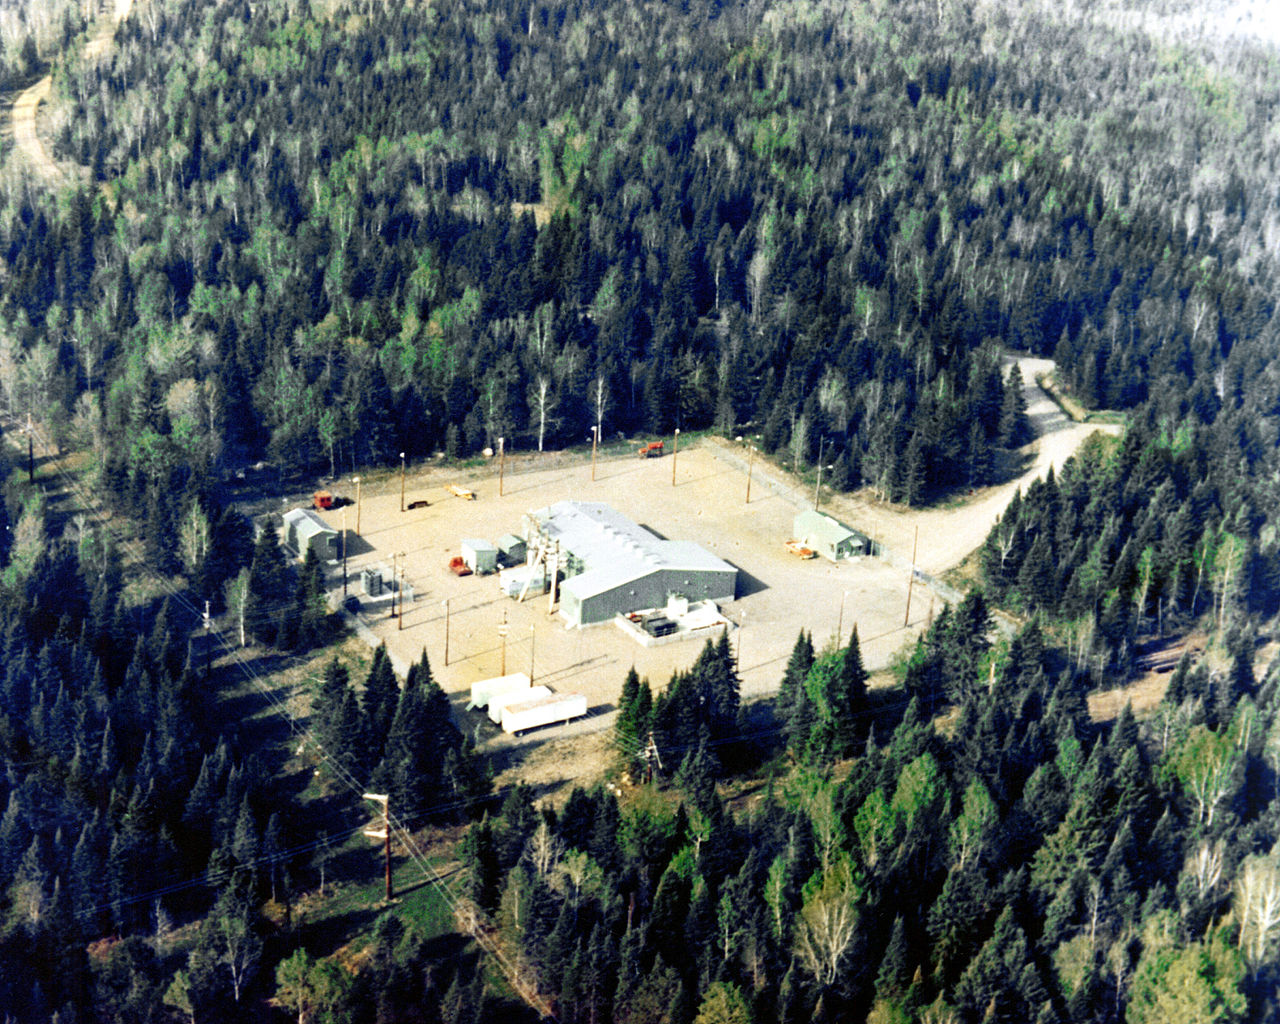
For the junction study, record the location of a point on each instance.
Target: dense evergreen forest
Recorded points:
(321, 233)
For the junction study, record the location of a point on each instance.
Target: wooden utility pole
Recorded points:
(344, 553)
(357, 483)
(502, 462)
(595, 439)
(675, 451)
(533, 635)
(402, 481)
(383, 833)
(751, 461)
(906, 619)
(502, 632)
(400, 617)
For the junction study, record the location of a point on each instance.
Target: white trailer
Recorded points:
(498, 705)
(550, 710)
(485, 690)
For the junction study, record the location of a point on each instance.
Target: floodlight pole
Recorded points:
(751, 461)
(817, 489)
(344, 553)
(446, 632)
(675, 452)
(502, 462)
(502, 632)
(911, 581)
(356, 481)
(595, 439)
(402, 481)
(400, 617)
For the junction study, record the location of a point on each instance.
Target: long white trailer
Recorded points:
(498, 706)
(552, 709)
(484, 691)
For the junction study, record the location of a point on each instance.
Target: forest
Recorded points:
(317, 233)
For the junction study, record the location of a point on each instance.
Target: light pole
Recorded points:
(344, 553)
(394, 556)
(595, 439)
(675, 451)
(400, 617)
(502, 632)
(533, 635)
(751, 462)
(446, 631)
(356, 480)
(817, 488)
(502, 462)
(402, 481)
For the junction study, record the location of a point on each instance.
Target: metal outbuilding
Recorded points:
(512, 550)
(612, 566)
(304, 529)
(481, 556)
(828, 537)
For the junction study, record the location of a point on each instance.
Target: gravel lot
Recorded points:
(778, 594)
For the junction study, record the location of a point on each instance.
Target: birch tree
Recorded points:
(1257, 903)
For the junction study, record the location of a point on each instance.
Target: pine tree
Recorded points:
(381, 695)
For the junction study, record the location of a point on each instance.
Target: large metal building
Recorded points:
(613, 566)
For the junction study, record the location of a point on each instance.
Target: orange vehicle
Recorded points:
(650, 450)
(798, 549)
(458, 566)
(322, 500)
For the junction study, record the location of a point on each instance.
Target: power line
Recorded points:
(344, 776)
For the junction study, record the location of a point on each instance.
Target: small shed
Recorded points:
(304, 529)
(481, 556)
(512, 549)
(829, 538)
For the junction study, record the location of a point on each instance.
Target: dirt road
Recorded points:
(26, 140)
(949, 534)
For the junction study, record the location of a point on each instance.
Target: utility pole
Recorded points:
(751, 462)
(383, 833)
(446, 632)
(344, 553)
(356, 480)
(911, 581)
(533, 635)
(502, 632)
(675, 451)
(402, 481)
(595, 439)
(502, 462)
(400, 617)
(651, 757)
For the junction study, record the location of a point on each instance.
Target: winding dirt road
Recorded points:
(26, 142)
(950, 533)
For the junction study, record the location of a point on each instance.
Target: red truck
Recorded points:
(650, 450)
